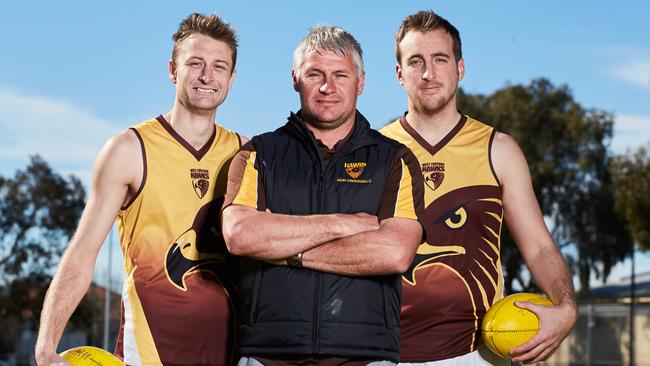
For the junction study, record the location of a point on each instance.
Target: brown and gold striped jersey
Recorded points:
(177, 293)
(456, 274)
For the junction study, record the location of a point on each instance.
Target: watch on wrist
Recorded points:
(295, 261)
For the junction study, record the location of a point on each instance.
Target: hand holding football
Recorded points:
(506, 326)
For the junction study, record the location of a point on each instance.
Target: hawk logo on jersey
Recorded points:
(200, 248)
(463, 236)
(434, 174)
(354, 170)
(200, 181)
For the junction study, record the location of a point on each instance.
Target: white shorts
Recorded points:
(481, 357)
(250, 361)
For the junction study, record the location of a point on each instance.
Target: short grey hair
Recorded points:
(328, 38)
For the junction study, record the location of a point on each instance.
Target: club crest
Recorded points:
(354, 170)
(434, 174)
(200, 181)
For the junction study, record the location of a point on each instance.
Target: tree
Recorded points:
(632, 182)
(39, 211)
(566, 147)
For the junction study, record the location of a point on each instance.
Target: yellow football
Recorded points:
(90, 356)
(506, 326)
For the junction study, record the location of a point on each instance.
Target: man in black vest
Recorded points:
(326, 212)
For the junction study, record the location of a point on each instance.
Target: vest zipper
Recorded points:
(315, 342)
(321, 200)
(319, 276)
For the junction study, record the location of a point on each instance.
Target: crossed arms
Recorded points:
(347, 244)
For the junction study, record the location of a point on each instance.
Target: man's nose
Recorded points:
(427, 74)
(328, 86)
(206, 76)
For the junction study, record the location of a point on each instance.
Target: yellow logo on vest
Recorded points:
(434, 174)
(200, 181)
(354, 170)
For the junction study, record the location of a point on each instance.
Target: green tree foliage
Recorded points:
(566, 147)
(632, 172)
(39, 210)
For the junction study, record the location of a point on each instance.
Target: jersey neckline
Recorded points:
(198, 154)
(424, 143)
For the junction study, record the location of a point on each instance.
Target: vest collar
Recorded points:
(359, 136)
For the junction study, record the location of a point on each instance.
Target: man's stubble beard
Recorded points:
(437, 107)
(326, 126)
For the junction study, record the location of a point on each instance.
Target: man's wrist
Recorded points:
(295, 261)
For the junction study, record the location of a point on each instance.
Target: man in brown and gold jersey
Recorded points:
(164, 180)
(474, 177)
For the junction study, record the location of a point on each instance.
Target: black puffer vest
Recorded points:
(297, 311)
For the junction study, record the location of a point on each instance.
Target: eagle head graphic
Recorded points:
(199, 249)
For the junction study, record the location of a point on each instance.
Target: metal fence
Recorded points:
(601, 337)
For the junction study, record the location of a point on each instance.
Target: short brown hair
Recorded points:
(209, 25)
(427, 21)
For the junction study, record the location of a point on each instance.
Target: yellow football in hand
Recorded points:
(506, 326)
(90, 356)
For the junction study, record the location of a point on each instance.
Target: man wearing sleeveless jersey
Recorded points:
(164, 179)
(340, 205)
(474, 177)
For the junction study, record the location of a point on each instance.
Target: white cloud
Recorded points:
(65, 135)
(630, 131)
(623, 51)
(636, 72)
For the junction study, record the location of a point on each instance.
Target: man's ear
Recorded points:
(398, 72)
(361, 83)
(294, 79)
(172, 71)
(233, 76)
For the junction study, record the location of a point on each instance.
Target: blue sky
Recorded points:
(76, 72)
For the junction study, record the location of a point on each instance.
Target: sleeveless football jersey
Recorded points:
(177, 299)
(456, 274)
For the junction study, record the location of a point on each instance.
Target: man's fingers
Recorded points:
(540, 353)
(527, 346)
(528, 306)
(528, 353)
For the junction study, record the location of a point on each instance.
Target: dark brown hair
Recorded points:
(209, 25)
(427, 21)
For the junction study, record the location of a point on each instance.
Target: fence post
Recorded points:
(590, 326)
